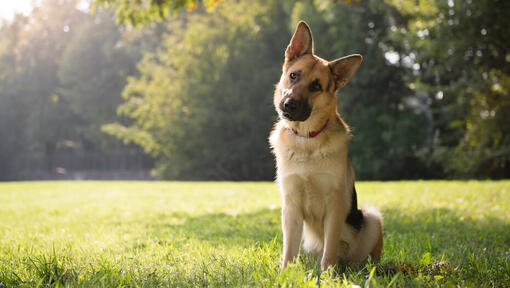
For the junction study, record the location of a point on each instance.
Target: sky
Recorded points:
(9, 7)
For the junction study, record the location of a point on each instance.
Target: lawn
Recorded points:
(220, 234)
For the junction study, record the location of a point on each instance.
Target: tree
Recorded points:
(143, 12)
(11, 106)
(29, 81)
(387, 133)
(61, 75)
(202, 104)
(429, 101)
(92, 72)
(460, 51)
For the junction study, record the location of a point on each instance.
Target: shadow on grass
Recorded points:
(442, 229)
(445, 243)
(222, 229)
(433, 242)
(462, 250)
(437, 231)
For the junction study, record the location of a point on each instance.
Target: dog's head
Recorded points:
(308, 85)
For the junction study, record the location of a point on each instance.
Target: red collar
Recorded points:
(313, 133)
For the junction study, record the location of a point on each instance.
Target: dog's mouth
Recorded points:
(287, 116)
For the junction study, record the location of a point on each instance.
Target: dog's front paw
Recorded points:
(286, 262)
(327, 262)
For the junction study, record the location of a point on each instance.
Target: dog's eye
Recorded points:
(293, 75)
(315, 86)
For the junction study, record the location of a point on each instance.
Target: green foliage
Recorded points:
(61, 75)
(462, 52)
(108, 234)
(429, 101)
(373, 103)
(142, 12)
(202, 103)
(92, 71)
(11, 106)
(34, 119)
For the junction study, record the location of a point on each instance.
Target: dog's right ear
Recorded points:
(301, 42)
(344, 68)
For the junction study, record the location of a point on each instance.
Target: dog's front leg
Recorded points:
(332, 230)
(292, 223)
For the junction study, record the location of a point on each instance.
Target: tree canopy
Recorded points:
(192, 84)
(407, 103)
(61, 74)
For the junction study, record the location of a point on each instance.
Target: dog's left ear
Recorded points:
(301, 42)
(344, 68)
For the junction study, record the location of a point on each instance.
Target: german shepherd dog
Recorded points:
(315, 177)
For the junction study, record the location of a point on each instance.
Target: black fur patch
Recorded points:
(355, 216)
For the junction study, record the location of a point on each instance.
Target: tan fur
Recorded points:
(314, 174)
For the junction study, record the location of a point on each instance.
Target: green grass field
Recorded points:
(228, 234)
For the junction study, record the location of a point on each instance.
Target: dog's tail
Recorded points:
(369, 239)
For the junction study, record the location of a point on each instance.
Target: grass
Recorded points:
(148, 234)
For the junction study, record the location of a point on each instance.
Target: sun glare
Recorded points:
(9, 8)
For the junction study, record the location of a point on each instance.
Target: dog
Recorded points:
(310, 142)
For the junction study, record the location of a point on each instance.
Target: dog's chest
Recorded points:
(311, 185)
(310, 173)
(317, 193)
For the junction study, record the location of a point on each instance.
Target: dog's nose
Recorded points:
(290, 105)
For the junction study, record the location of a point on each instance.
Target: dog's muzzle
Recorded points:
(295, 110)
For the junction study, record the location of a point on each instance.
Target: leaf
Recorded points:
(425, 259)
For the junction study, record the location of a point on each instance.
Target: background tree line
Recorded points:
(61, 73)
(194, 90)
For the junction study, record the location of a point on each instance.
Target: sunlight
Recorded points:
(9, 8)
